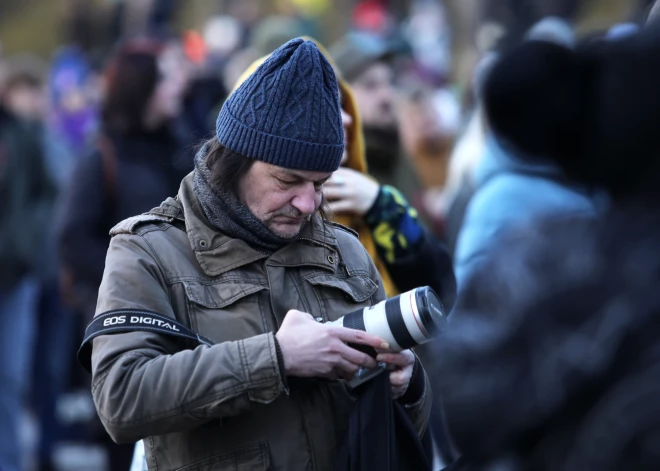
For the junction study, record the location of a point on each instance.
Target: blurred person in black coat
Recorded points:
(552, 359)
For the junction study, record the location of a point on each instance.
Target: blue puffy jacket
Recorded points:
(511, 193)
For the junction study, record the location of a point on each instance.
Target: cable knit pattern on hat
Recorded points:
(287, 112)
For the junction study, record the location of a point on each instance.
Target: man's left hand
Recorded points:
(403, 364)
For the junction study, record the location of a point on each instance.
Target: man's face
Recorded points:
(374, 93)
(283, 199)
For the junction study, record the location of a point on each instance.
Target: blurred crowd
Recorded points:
(96, 135)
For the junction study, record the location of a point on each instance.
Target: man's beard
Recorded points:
(289, 212)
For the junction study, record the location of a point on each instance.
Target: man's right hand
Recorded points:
(311, 349)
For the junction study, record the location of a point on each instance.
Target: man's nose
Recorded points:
(305, 199)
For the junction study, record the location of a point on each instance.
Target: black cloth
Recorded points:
(551, 358)
(429, 265)
(149, 169)
(380, 434)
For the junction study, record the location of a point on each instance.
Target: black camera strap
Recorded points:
(131, 320)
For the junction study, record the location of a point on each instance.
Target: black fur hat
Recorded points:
(594, 110)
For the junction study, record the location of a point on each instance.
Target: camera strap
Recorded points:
(133, 320)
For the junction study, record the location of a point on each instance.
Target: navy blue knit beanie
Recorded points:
(287, 112)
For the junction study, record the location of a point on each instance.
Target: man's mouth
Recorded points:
(289, 219)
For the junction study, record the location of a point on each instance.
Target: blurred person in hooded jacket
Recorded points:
(551, 361)
(365, 62)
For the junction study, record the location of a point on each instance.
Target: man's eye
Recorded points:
(287, 182)
(318, 186)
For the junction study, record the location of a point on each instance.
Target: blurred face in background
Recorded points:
(26, 100)
(375, 95)
(144, 87)
(174, 75)
(421, 128)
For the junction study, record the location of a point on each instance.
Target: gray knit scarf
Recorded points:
(227, 214)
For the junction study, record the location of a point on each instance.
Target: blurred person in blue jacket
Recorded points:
(515, 190)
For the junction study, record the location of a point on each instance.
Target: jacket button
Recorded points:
(318, 319)
(202, 244)
(331, 259)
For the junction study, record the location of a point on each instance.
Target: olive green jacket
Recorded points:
(225, 407)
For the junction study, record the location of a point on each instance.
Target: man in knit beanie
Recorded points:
(211, 339)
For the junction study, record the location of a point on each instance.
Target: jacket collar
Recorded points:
(218, 253)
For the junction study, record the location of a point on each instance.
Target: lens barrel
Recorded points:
(404, 321)
(431, 311)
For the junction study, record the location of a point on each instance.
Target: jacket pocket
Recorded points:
(226, 311)
(357, 288)
(250, 458)
(339, 296)
(219, 295)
